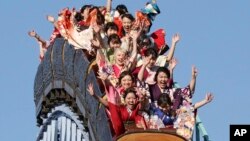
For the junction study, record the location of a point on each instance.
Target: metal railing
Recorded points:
(200, 130)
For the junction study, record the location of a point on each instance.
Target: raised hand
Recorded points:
(102, 76)
(96, 27)
(194, 71)
(86, 13)
(91, 89)
(175, 38)
(50, 18)
(95, 43)
(146, 60)
(172, 64)
(209, 97)
(134, 34)
(32, 33)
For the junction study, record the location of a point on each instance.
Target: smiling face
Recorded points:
(126, 82)
(120, 57)
(126, 23)
(151, 63)
(162, 80)
(114, 41)
(131, 100)
(151, 53)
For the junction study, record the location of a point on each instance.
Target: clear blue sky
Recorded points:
(215, 37)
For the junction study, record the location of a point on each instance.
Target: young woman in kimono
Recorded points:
(163, 110)
(156, 60)
(116, 87)
(147, 71)
(168, 116)
(122, 59)
(164, 83)
(127, 22)
(121, 114)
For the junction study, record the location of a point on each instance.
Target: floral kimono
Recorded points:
(185, 121)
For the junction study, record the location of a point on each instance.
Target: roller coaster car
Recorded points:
(138, 134)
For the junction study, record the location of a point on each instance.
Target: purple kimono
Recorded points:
(178, 95)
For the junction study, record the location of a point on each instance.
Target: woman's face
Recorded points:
(162, 80)
(151, 63)
(165, 108)
(111, 31)
(126, 23)
(130, 100)
(120, 58)
(126, 82)
(114, 44)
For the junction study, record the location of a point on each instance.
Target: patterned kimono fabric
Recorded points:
(182, 101)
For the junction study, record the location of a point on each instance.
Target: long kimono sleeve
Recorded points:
(116, 119)
(182, 96)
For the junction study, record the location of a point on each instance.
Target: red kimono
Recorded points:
(120, 114)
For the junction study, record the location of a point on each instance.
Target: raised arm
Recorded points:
(132, 59)
(98, 43)
(193, 79)
(33, 33)
(143, 98)
(146, 61)
(109, 5)
(42, 43)
(135, 36)
(92, 93)
(209, 97)
(52, 20)
(175, 40)
(108, 79)
(172, 64)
